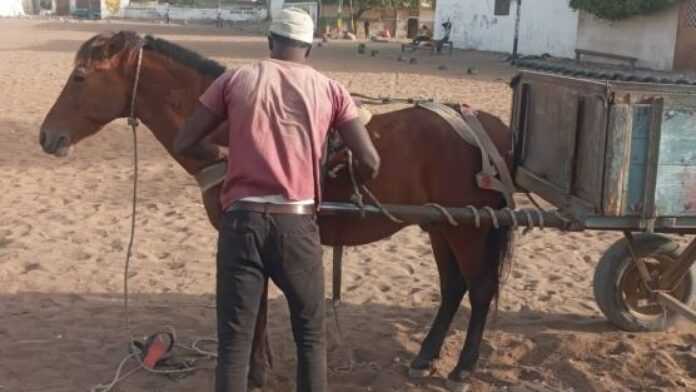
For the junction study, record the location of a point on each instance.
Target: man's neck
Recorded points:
(290, 56)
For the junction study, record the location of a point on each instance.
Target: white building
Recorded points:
(546, 26)
(664, 40)
(11, 8)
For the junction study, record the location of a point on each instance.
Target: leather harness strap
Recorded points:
(211, 176)
(468, 127)
(464, 123)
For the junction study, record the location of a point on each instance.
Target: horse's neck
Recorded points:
(166, 95)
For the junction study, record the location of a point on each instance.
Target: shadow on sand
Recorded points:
(69, 342)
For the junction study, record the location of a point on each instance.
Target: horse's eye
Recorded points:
(79, 78)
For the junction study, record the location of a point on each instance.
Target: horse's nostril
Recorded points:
(42, 138)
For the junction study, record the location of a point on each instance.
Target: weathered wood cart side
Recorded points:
(618, 156)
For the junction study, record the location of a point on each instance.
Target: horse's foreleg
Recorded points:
(452, 290)
(211, 202)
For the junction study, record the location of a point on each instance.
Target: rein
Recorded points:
(133, 122)
(141, 352)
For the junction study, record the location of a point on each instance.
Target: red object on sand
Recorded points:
(155, 352)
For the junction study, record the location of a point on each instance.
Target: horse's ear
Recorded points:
(117, 43)
(110, 49)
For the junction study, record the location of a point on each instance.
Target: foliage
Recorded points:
(620, 9)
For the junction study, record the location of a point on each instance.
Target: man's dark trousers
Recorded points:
(252, 247)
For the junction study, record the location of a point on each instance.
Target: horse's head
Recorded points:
(97, 91)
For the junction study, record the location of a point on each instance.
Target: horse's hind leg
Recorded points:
(483, 286)
(452, 290)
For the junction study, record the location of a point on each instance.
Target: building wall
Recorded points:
(651, 38)
(546, 26)
(227, 14)
(111, 8)
(11, 8)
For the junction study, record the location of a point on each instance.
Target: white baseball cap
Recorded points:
(293, 23)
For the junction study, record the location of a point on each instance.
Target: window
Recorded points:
(502, 7)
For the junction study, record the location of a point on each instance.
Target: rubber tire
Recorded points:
(610, 270)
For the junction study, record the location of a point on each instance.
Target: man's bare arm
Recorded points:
(357, 139)
(189, 139)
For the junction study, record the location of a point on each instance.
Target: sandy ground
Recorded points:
(64, 225)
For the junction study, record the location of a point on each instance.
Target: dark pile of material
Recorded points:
(603, 71)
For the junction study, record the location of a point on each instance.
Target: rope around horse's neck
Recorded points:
(369, 100)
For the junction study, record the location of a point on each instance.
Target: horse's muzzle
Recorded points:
(58, 145)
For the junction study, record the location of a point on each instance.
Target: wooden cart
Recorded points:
(610, 156)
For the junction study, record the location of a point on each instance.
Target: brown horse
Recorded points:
(423, 161)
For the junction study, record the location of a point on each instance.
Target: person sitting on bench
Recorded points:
(445, 38)
(424, 35)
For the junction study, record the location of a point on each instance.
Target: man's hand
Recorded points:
(355, 136)
(189, 139)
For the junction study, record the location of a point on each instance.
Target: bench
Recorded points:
(432, 45)
(436, 45)
(580, 52)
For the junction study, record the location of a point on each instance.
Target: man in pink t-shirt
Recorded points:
(278, 113)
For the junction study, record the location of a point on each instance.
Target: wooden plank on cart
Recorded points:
(618, 158)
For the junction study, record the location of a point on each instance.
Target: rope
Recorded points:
(134, 351)
(540, 214)
(444, 212)
(133, 122)
(513, 217)
(530, 222)
(117, 377)
(137, 354)
(494, 218)
(389, 100)
(357, 197)
(381, 207)
(477, 217)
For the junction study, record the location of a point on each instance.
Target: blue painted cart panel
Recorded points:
(675, 193)
(639, 158)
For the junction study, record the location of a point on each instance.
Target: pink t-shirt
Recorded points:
(279, 114)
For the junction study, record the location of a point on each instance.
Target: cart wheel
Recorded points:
(619, 291)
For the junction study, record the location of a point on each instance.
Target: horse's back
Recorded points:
(425, 160)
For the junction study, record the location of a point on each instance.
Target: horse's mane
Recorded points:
(106, 45)
(184, 56)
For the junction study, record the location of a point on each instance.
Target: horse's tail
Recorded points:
(499, 249)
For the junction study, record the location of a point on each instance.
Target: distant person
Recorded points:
(424, 35)
(366, 25)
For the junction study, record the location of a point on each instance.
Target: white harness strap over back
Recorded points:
(470, 129)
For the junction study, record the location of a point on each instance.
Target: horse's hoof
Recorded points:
(458, 381)
(421, 369)
(420, 373)
(456, 386)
